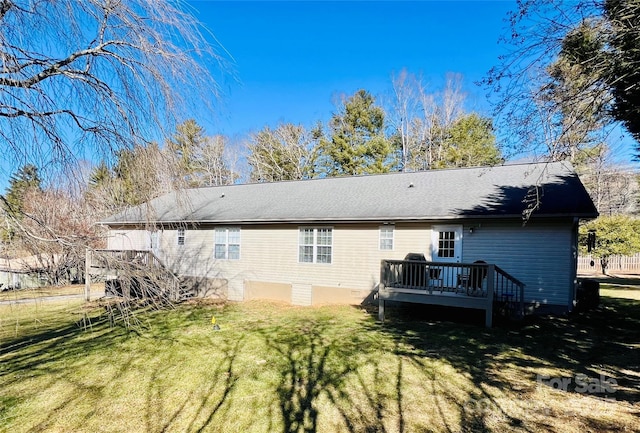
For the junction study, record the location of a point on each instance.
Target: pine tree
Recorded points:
(470, 142)
(186, 144)
(27, 178)
(357, 143)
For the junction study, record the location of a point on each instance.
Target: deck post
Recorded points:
(488, 320)
(380, 304)
(380, 288)
(87, 275)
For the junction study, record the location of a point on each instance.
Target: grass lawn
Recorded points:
(77, 289)
(276, 368)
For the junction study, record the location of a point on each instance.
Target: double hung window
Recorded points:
(315, 245)
(386, 237)
(227, 243)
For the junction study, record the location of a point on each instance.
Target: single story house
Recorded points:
(21, 273)
(321, 241)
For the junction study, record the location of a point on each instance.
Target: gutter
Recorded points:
(348, 220)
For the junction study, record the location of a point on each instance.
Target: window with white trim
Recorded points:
(180, 237)
(315, 245)
(386, 237)
(227, 243)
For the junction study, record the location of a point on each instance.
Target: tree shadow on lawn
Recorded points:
(366, 375)
(324, 367)
(53, 345)
(59, 350)
(52, 355)
(201, 405)
(358, 370)
(309, 366)
(593, 343)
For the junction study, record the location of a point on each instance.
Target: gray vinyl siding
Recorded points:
(540, 254)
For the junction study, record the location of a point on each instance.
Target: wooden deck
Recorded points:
(480, 286)
(131, 266)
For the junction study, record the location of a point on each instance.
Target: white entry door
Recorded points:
(446, 247)
(446, 243)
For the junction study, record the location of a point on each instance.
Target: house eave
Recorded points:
(380, 219)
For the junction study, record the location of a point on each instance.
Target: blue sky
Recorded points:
(292, 60)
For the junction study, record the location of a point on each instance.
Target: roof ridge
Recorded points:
(376, 175)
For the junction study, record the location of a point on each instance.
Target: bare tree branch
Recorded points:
(100, 74)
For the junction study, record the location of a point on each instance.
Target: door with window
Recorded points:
(446, 247)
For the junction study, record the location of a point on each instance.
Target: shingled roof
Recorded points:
(488, 192)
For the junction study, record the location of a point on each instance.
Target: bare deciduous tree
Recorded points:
(283, 153)
(81, 79)
(431, 129)
(214, 163)
(613, 187)
(404, 105)
(51, 234)
(50, 238)
(438, 112)
(97, 75)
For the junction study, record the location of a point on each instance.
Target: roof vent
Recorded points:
(222, 196)
(411, 185)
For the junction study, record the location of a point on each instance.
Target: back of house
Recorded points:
(322, 241)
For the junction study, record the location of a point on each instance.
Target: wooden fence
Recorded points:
(616, 264)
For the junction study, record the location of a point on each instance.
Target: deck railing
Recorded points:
(114, 259)
(509, 291)
(135, 267)
(462, 280)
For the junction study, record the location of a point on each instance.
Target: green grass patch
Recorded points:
(275, 368)
(627, 289)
